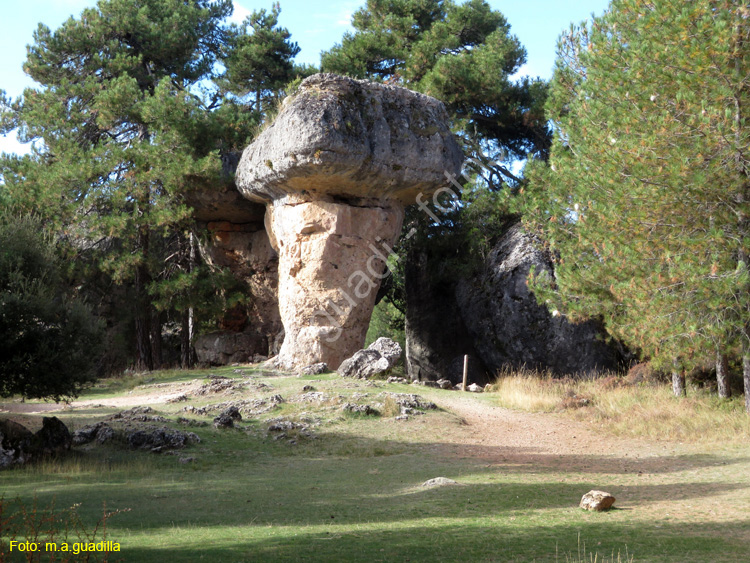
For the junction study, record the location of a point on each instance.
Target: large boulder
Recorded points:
(335, 170)
(377, 359)
(493, 317)
(18, 444)
(512, 330)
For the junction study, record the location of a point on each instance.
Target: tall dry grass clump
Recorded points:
(637, 409)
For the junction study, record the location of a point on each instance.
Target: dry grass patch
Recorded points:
(644, 410)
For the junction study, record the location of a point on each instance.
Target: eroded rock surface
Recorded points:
(336, 169)
(378, 358)
(494, 318)
(235, 238)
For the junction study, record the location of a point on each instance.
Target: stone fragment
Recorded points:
(474, 388)
(439, 482)
(314, 369)
(444, 383)
(361, 409)
(379, 358)
(396, 379)
(597, 501)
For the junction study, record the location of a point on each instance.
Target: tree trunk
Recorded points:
(678, 380)
(187, 356)
(186, 339)
(144, 359)
(722, 375)
(155, 338)
(746, 377)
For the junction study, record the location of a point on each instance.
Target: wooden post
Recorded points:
(466, 372)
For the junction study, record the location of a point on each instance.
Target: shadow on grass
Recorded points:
(339, 498)
(472, 541)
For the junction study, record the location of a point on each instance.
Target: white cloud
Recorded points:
(240, 13)
(9, 143)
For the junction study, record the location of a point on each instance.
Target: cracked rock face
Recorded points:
(336, 169)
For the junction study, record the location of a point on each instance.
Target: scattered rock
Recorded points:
(178, 399)
(475, 388)
(223, 421)
(308, 388)
(597, 501)
(378, 358)
(362, 409)
(444, 383)
(189, 459)
(227, 418)
(396, 379)
(314, 369)
(191, 422)
(427, 383)
(439, 482)
(410, 401)
(156, 439)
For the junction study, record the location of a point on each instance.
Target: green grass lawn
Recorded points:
(353, 493)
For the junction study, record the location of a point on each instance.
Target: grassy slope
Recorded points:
(353, 494)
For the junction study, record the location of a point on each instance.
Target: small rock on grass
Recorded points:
(597, 501)
(440, 482)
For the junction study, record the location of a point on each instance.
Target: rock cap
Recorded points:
(338, 138)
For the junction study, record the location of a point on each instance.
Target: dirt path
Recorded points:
(501, 435)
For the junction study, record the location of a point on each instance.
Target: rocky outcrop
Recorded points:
(335, 170)
(234, 238)
(512, 329)
(493, 317)
(19, 445)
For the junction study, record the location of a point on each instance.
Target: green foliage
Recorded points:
(137, 102)
(259, 59)
(462, 54)
(386, 321)
(48, 339)
(645, 201)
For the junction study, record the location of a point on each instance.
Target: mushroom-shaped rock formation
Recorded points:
(336, 168)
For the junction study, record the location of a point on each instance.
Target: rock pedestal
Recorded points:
(331, 260)
(336, 169)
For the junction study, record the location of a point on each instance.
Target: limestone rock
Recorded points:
(336, 168)
(474, 388)
(314, 369)
(53, 438)
(439, 482)
(15, 440)
(353, 138)
(493, 317)
(378, 358)
(235, 239)
(597, 501)
(18, 444)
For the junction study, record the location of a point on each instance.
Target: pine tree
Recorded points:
(259, 60)
(48, 336)
(645, 198)
(132, 113)
(462, 54)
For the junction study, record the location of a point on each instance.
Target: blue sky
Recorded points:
(314, 26)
